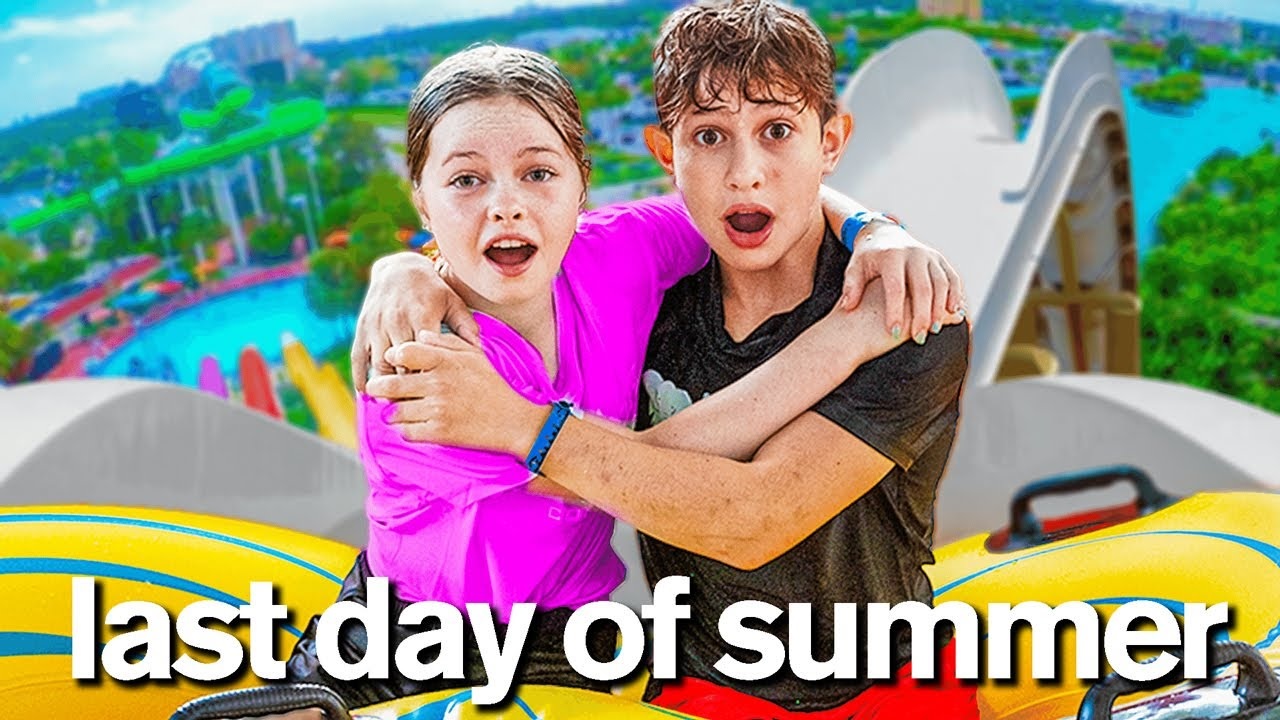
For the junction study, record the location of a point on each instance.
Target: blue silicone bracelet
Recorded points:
(854, 224)
(560, 412)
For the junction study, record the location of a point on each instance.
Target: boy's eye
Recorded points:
(465, 181)
(540, 175)
(707, 137)
(778, 131)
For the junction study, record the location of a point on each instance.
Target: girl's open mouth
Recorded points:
(510, 256)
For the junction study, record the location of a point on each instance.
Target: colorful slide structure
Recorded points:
(256, 384)
(326, 394)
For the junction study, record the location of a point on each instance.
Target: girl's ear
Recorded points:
(420, 204)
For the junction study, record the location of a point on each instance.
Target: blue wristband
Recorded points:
(560, 411)
(854, 224)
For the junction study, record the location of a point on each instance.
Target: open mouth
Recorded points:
(748, 227)
(510, 254)
(748, 222)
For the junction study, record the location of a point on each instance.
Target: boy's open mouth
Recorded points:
(510, 255)
(748, 227)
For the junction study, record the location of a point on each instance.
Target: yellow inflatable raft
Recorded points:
(174, 559)
(1206, 548)
(1210, 548)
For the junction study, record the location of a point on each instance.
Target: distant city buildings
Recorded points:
(1211, 31)
(544, 40)
(265, 53)
(261, 54)
(971, 9)
(1150, 23)
(1203, 30)
(622, 128)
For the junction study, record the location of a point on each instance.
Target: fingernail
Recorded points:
(897, 332)
(919, 338)
(936, 327)
(389, 413)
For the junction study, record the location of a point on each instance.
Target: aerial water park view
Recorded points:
(182, 263)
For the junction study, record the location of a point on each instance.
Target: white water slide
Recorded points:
(935, 143)
(1031, 225)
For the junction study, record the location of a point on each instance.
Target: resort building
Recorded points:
(971, 9)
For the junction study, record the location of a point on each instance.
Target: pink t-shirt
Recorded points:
(457, 525)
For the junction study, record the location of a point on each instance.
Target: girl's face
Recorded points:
(501, 193)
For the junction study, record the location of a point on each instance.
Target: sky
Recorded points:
(51, 51)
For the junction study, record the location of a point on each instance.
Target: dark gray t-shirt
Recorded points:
(904, 404)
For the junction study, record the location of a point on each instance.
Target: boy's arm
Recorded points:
(735, 421)
(747, 513)
(407, 295)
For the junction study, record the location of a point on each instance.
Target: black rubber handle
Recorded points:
(1256, 683)
(265, 700)
(1025, 528)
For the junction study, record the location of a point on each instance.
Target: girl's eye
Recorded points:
(541, 175)
(778, 131)
(707, 137)
(465, 181)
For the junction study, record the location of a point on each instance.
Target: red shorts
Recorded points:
(904, 698)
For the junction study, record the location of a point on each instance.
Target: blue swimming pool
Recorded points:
(222, 327)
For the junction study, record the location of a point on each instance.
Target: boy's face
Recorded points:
(750, 174)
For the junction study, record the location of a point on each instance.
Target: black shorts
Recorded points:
(542, 662)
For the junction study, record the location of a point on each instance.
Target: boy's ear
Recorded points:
(835, 138)
(659, 144)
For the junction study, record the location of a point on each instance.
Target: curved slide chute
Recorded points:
(1041, 230)
(112, 441)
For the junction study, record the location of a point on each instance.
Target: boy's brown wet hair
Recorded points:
(711, 53)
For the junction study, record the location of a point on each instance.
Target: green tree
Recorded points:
(310, 82)
(353, 80)
(271, 240)
(1178, 50)
(381, 72)
(198, 230)
(372, 236)
(387, 194)
(333, 287)
(54, 270)
(135, 147)
(349, 152)
(17, 344)
(115, 216)
(56, 234)
(14, 257)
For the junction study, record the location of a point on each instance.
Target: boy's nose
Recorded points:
(746, 171)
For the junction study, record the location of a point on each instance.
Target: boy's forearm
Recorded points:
(734, 422)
